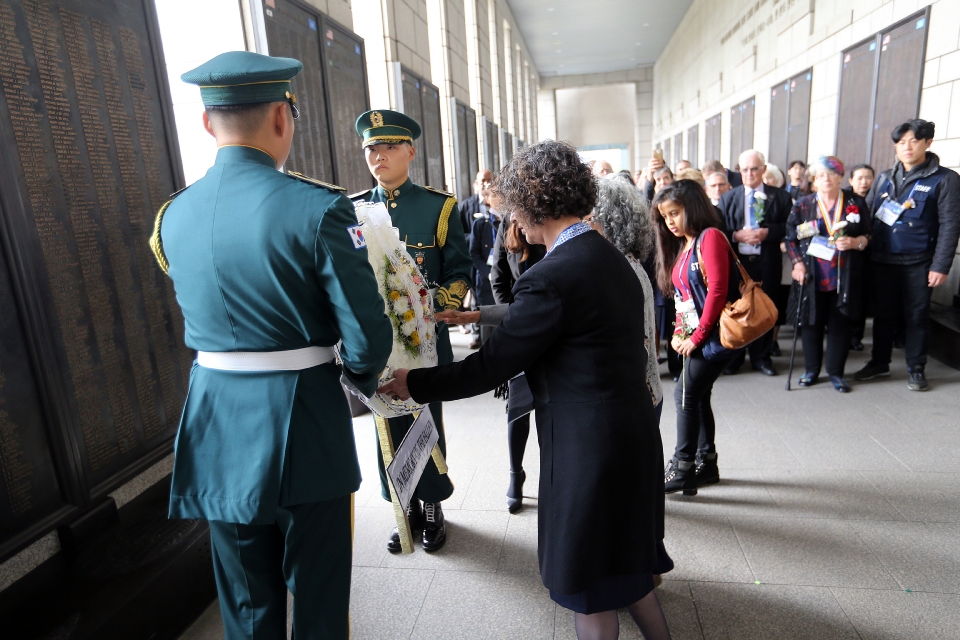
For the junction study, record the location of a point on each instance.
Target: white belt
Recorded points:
(292, 360)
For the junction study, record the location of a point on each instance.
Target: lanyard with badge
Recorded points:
(493, 238)
(689, 318)
(820, 246)
(891, 210)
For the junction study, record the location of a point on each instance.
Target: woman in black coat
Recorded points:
(572, 328)
(830, 276)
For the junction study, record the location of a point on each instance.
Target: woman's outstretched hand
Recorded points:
(452, 316)
(397, 388)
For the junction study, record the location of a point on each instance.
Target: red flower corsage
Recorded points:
(851, 208)
(423, 293)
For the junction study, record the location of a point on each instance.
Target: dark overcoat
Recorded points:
(774, 220)
(852, 266)
(573, 328)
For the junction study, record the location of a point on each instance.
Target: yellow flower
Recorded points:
(409, 315)
(415, 339)
(394, 295)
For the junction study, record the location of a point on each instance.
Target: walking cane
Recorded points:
(796, 328)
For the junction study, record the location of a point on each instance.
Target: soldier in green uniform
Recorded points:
(270, 274)
(430, 227)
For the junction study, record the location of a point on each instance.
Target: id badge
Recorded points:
(490, 259)
(820, 248)
(889, 212)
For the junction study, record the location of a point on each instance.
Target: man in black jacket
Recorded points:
(755, 215)
(469, 209)
(916, 209)
(481, 241)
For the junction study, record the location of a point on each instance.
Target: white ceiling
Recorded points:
(568, 37)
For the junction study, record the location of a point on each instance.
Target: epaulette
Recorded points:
(317, 183)
(359, 194)
(444, 224)
(443, 193)
(156, 242)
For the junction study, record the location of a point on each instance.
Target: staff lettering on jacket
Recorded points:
(923, 187)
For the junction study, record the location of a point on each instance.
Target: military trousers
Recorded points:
(433, 486)
(308, 550)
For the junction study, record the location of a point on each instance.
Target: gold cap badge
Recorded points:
(376, 119)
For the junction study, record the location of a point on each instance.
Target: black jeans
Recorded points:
(696, 428)
(840, 329)
(901, 292)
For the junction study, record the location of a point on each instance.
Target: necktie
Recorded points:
(751, 218)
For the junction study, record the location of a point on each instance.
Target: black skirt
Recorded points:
(614, 592)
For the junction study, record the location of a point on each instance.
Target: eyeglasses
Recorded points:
(750, 169)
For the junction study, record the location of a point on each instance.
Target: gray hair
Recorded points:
(624, 215)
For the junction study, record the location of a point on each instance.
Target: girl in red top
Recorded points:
(690, 245)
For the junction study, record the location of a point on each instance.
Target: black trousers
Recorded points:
(901, 292)
(696, 427)
(839, 330)
(666, 317)
(759, 349)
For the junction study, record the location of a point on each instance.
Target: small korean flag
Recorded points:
(356, 234)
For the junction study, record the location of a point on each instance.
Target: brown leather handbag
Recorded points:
(743, 321)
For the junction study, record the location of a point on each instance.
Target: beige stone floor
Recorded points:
(837, 517)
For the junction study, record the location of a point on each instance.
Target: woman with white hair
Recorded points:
(622, 216)
(773, 177)
(827, 232)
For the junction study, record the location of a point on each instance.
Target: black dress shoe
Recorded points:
(766, 368)
(872, 370)
(731, 371)
(415, 517)
(856, 344)
(515, 491)
(434, 531)
(840, 384)
(707, 471)
(680, 475)
(809, 379)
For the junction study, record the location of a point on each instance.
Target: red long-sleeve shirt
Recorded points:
(715, 263)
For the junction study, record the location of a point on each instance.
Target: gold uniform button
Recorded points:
(396, 192)
(419, 244)
(393, 205)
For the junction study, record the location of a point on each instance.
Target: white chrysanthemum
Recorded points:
(396, 283)
(401, 306)
(409, 327)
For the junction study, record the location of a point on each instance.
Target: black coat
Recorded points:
(852, 265)
(573, 327)
(466, 209)
(508, 267)
(775, 216)
(481, 243)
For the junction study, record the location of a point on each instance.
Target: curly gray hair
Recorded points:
(624, 216)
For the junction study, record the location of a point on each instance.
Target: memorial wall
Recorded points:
(92, 369)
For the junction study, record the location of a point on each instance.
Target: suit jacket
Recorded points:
(775, 216)
(573, 329)
(734, 178)
(482, 241)
(261, 261)
(466, 209)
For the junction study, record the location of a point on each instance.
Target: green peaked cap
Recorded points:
(244, 77)
(383, 126)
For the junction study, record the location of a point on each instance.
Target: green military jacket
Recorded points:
(263, 261)
(435, 241)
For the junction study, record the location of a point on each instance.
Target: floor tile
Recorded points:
(748, 612)
(477, 607)
(705, 549)
(921, 556)
(844, 495)
(895, 615)
(385, 603)
(920, 497)
(802, 551)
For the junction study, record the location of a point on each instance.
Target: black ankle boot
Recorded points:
(515, 491)
(434, 531)
(415, 517)
(707, 471)
(680, 475)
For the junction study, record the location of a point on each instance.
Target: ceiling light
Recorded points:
(637, 43)
(646, 24)
(550, 9)
(559, 50)
(556, 33)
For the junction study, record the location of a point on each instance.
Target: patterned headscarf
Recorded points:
(830, 163)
